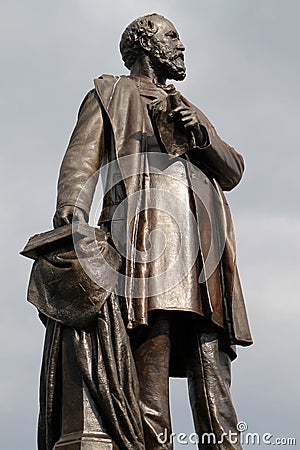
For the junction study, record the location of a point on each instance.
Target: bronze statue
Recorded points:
(163, 169)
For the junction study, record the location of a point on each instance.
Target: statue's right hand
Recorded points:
(67, 214)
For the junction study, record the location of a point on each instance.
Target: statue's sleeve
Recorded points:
(79, 170)
(216, 158)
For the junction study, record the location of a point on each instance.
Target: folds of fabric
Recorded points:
(103, 356)
(84, 319)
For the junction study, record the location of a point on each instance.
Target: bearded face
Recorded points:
(169, 62)
(167, 51)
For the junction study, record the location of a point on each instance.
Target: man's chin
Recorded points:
(178, 70)
(177, 75)
(171, 70)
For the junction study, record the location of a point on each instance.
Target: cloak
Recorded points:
(112, 131)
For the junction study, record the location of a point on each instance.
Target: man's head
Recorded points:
(156, 37)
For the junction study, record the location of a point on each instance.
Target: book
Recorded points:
(42, 243)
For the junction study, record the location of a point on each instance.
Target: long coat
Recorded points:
(111, 126)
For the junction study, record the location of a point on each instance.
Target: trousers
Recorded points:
(207, 367)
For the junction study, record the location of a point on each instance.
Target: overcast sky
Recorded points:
(243, 71)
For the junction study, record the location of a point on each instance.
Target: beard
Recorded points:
(169, 63)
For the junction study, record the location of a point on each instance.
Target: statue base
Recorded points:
(79, 441)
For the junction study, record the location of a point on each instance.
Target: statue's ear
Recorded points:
(145, 43)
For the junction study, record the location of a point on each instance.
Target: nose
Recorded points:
(180, 46)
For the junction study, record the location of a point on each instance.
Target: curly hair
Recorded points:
(130, 47)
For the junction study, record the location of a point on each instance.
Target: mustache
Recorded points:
(170, 55)
(178, 55)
